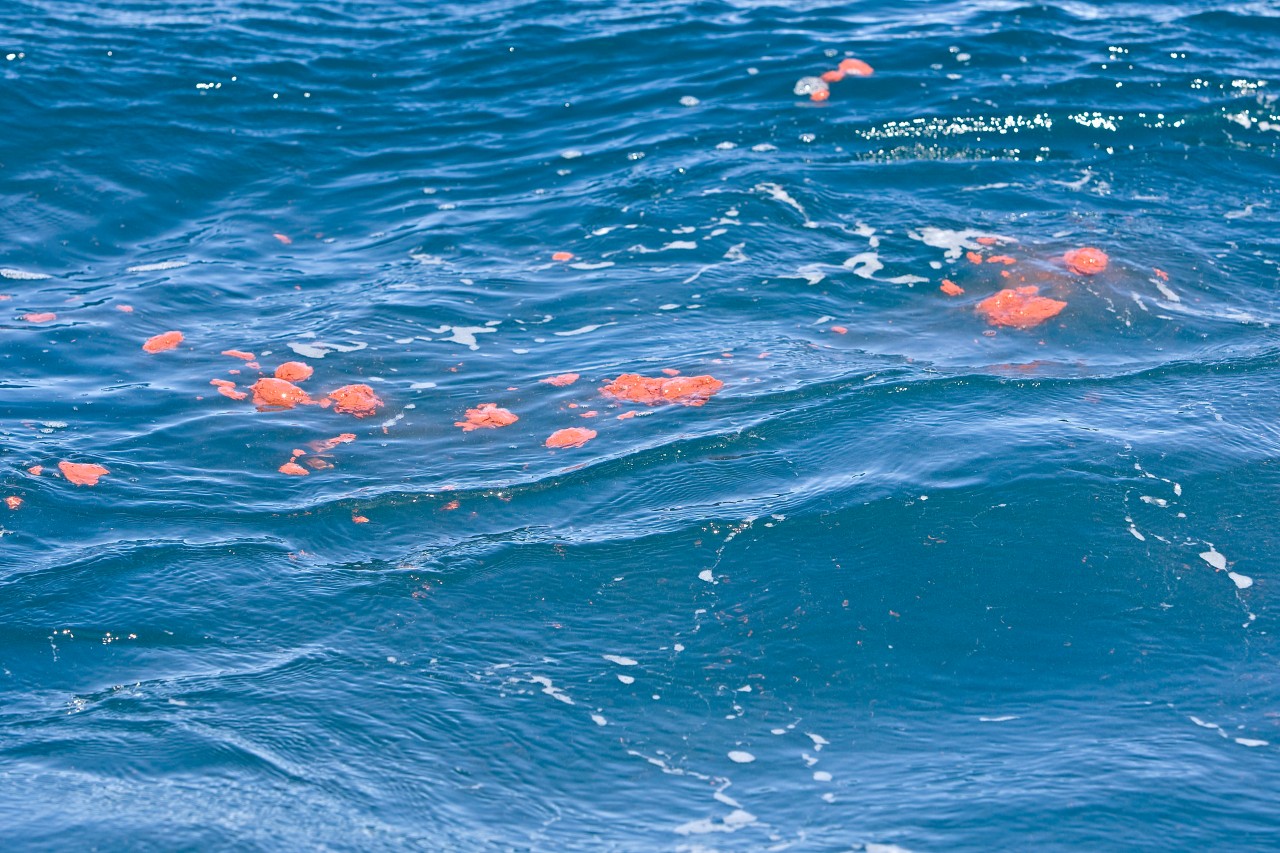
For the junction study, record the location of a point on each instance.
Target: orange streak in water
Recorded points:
(283, 238)
(227, 388)
(44, 317)
(162, 342)
(571, 437)
(13, 501)
(326, 444)
(237, 353)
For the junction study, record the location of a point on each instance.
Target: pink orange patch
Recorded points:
(1001, 259)
(82, 473)
(128, 309)
(1020, 308)
(840, 330)
(277, 392)
(950, 288)
(562, 380)
(13, 501)
(1086, 261)
(571, 437)
(324, 445)
(358, 400)
(819, 95)
(487, 416)
(833, 76)
(653, 391)
(41, 317)
(35, 470)
(293, 469)
(162, 342)
(856, 67)
(239, 353)
(562, 256)
(283, 238)
(227, 388)
(294, 371)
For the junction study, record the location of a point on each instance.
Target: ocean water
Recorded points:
(909, 580)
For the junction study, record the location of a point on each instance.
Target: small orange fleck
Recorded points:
(562, 256)
(819, 95)
(1164, 276)
(670, 371)
(987, 241)
(237, 353)
(950, 288)
(1021, 308)
(856, 67)
(359, 519)
(13, 501)
(571, 437)
(35, 470)
(590, 414)
(283, 238)
(326, 444)
(451, 506)
(162, 342)
(561, 380)
(1086, 261)
(42, 317)
(227, 388)
(626, 416)
(294, 371)
(358, 400)
(1001, 259)
(834, 76)
(293, 469)
(840, 330)
(487, 416)
(277, 392)
(652, 391)
(973, 257)
(82, 473)
(128, 309)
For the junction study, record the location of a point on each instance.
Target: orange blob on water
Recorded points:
(1001, 259)
(973, 257)
(571, 437)
(987, 241)
(35, 470)
(358, 400)
(128, 309)
(950, 288)
(1021, 308)
(840, 330)
(277, 392)
(856, 67)
(326, 444)
(162, 342)
(359, 519)
(562, 256)
(227, 388)
(13, 501)
(43, 317)
(653, 391)
(283, 238)
(293, 469)
(1086, 261)
(239, 353)
(819, 95)
(487, 416)
(82, 473)
(833, 76)
(562, 380)
(294, 371)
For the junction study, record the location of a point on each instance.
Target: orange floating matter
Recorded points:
(819, 95)
(326, 444)
(670, 371)
(950, 288)
(833, 76)
(571, 437)
(35, 470)
(653, 391)
(562, 380)
(562, 256)
(1021, 308)
(487, 416)
(283, 238)
(358, 400)
(987, 241)
(293, 469)
(359, 519)
(227, 388)
(856, 67)
(128, 309)
(40, 317)
(1164, 276)
(626, 416)
(277, 392)
(82, 473)
(294, 371)
(239, 353)
(973, 257)
(840, 330)
(451, 506)
(1086, 261)
(162, 342)
(1001, 259)
(13, 501)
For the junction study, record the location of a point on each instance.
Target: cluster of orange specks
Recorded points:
(1020, 307)
(653, 391)
(561, 380)
(13, 501)
(227, 388)
(39, 317)
(358, 400)
(950, 288)
(487, 416)
(162, 342)
(82, 473)
(571, 437)
(294, 371)
(269, 392)
(1086, 261)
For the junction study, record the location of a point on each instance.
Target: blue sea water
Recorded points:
(908, 582)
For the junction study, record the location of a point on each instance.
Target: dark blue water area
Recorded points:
(908, 581)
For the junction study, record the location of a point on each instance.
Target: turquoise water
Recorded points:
(907, 580)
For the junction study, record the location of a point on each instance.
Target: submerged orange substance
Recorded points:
(561, 380)
(238, 353)
(162, 342)
(820, 95)
(840, 330)
(856, 67)
(571, 437)
(326, 444)
(950, 288)
(227, 388)
(359, 519)
(13, 501)
(283, 238)
(277, 392)
(833, 76)
(652, 391)
(562, 256)
(128, 309)
(487, 416)
(43, 317)
(358, 400)
(1086, 261)
(1021, 308)
(1164, 276)
(82, 473)
(293, 469)
(1001, 259)
(35, 470)
(294, 371)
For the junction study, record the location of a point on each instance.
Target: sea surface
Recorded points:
(891, 577)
